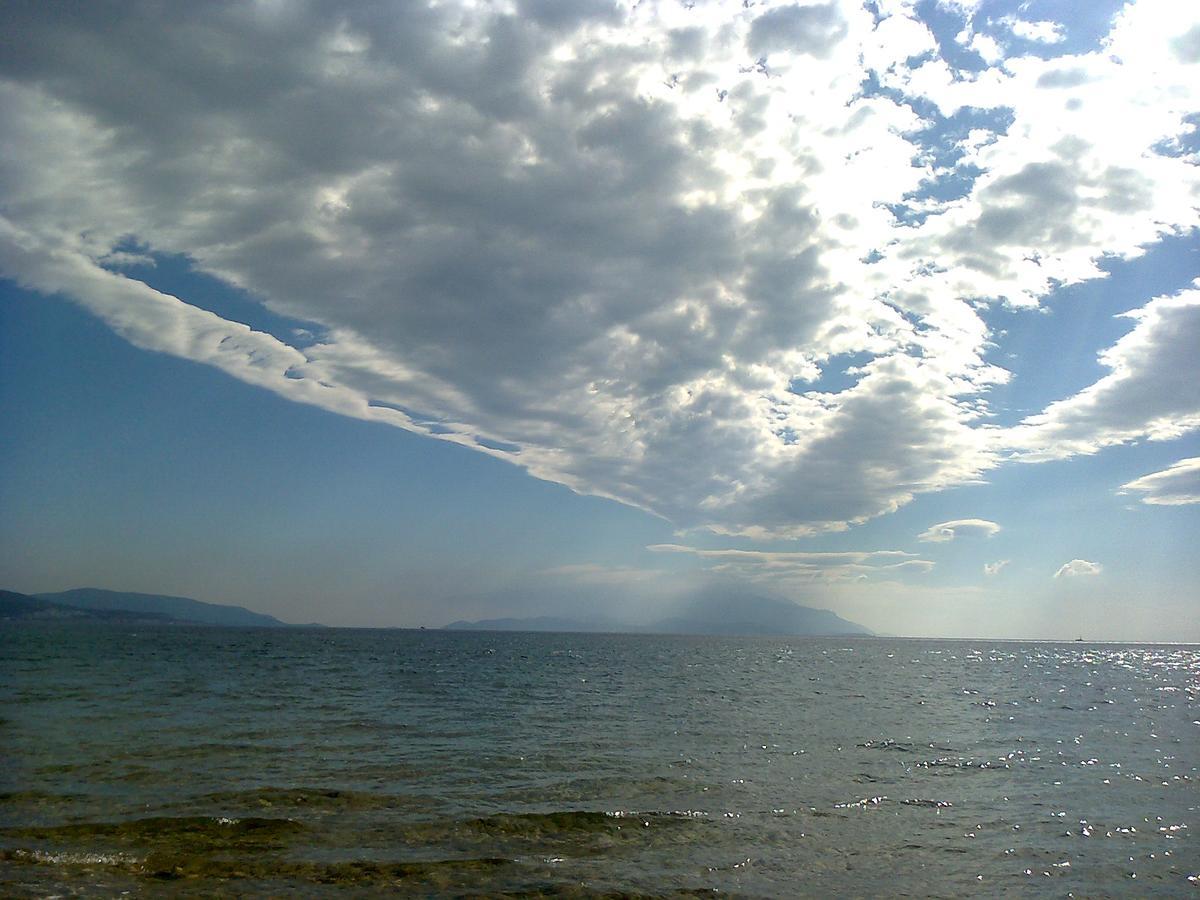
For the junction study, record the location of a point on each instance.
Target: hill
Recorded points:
(181, 609)
(24, 608)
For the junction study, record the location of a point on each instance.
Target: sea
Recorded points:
(202, 761)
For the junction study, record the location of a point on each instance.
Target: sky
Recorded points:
(384, 313)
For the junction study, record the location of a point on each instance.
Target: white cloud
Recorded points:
(1177, 485)
(994, 568)
(623, 242)
(987, 47)
(1043, 32)
(948, 531)
(1078, 567)
(1152, 390)
(799, 568)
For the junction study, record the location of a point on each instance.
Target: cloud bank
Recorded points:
(729, 264)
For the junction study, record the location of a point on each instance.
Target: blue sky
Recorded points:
(391, 316)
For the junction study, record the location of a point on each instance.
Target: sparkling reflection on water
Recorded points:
(185, 760)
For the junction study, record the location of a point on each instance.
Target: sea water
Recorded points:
(178, 760)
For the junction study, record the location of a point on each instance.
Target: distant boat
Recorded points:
(1079, 639)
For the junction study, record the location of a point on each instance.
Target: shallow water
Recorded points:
(193, 761)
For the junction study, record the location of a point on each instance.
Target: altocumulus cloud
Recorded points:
(1078, 567)
(619, 244)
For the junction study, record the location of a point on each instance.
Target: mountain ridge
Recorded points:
(99, 604)
(718, 609)
(714, 611)
(19, 607)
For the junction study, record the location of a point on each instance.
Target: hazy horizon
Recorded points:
(651, 621)
(394, 315)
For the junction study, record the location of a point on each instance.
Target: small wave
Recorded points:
(567, 821)
(40, 798)
(863, 803)
(71, 858)
(367, 873)
(901, 746)
(950, 762)
(888, 744)
(201, 832)
(187, 864)
(306, 798)
(868, 802)
(579, 831)
(538, 824)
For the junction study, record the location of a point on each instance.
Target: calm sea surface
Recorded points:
(197, 761)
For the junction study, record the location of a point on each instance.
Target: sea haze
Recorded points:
(719, 608)
(445, 762)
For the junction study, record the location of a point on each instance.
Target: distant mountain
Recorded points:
(24, 608)
(730, 608)
(171, 608)
(804, 620)
(717, 609)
